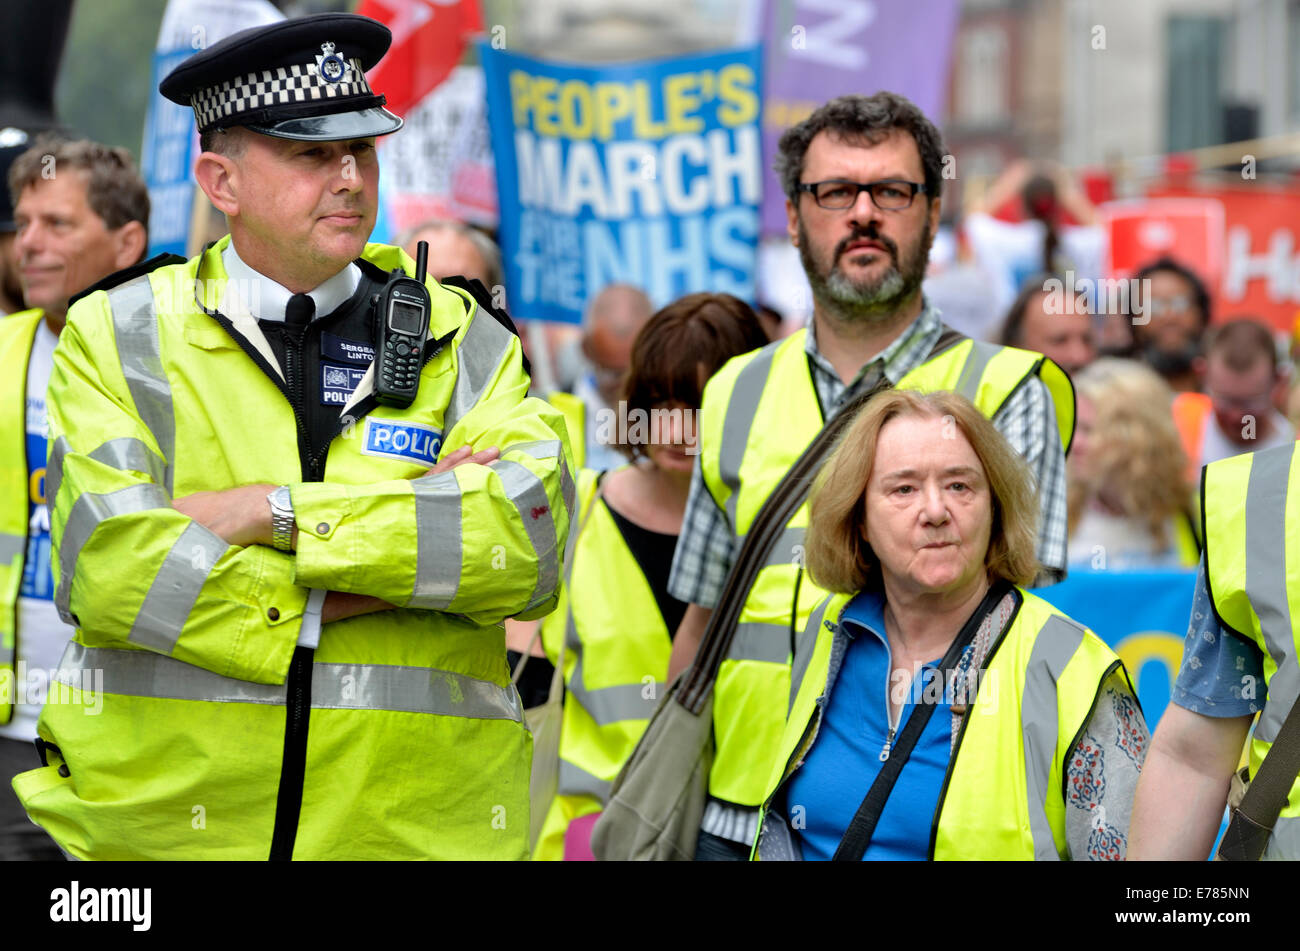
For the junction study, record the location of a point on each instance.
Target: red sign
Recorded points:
(428, 40)
(1190, 230)
(1260, 273)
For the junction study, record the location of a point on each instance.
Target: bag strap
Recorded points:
(767, 527)
(1252, 821)
(858, 835)
(557, 679)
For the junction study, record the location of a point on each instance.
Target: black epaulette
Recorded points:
(127, 274)
(484, 300)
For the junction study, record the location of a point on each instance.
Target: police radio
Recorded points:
(403, 317)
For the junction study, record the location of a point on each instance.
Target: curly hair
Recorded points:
(1135, 459)
(856, 119)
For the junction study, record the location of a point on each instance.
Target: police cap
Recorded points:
(297, 79)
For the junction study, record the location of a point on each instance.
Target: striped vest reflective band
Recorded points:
(17, 332)
(759, 414)
(1004, 793)
(1251, 508)
(615, 666)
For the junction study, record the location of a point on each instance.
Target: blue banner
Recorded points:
(644, 173)
(1142, 615)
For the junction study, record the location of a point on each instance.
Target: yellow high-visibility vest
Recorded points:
(167, 731)
(1004, 791)
(1251, 511)
(759, 413)
(17, 334)
(615, 666)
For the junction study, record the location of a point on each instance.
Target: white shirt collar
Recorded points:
(267, 299)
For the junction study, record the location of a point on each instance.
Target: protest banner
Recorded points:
(170, 139)
(817, 50)
(645, 173)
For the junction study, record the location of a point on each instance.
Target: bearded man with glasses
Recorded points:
(862, 176)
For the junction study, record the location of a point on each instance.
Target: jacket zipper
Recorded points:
(293, 766)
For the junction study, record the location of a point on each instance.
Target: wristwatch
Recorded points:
(281, 518)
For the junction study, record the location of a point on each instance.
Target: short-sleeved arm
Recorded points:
(1221, 675)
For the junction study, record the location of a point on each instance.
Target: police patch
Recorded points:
(338, 382)
(409, 442)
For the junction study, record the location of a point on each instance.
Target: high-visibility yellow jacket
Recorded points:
(1004, 792)
(575, 418)
(1251, 510)
(185, 686)
(615, 665)
(17, 334)
(759, 414)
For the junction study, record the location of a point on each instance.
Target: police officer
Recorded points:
(288, 594)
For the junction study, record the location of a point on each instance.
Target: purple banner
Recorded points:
(819, 49)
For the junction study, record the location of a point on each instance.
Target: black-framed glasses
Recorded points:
(838, 194)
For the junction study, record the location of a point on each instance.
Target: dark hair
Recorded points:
(857, 118)
(228, 142)
(114, 191)
(1039, 199)
(1014, 323)
(684, 344)
(1242, 343)
(1199, 294)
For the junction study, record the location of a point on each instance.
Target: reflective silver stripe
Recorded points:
(438, 552)
(528, 494)
(135, 325)
(125, 453)
(87, 512)
(1266, 565)
(576, 781)
(972, 370)
(1284, 843)
(803, 650)
(1053, 648)
(788, 549)
(542, 450)
(758, 641)
(739, 420)
(176, 587)
(333, 686)
(11, 546)
(613, 704)
(481, 351)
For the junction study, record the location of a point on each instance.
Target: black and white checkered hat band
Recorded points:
(281, 86)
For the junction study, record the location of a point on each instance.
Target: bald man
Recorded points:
(456, 249)
(613, 319)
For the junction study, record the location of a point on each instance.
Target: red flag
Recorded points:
(429, 38)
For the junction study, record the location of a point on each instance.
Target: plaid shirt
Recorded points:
(707, 544)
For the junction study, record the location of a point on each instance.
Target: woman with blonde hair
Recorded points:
(1129, 502)
(941, 710)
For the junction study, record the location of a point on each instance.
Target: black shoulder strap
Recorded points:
(127, 274)
(767, 527)
(858, 836)
(1252, 821)
(484, 300)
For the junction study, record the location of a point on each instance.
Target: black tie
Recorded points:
(298, 312)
